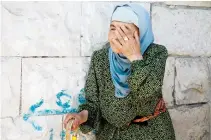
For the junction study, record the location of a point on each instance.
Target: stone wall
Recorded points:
(46, 47)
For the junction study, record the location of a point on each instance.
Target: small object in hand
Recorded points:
(74, 137)
(68, 136)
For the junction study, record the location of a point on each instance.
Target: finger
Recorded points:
(119, 37)
(76, 124)
(124, 29)
(117, 44)
(67, 119)
(114, 48)
(129, 26)
(137, 37)
(123, 35)
(73, 126)
(127, 31)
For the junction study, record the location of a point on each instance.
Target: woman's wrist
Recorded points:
(136, 57)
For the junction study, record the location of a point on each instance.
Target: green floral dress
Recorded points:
(109, 115)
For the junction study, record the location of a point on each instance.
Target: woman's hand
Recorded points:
(79, 118)
(128, 42)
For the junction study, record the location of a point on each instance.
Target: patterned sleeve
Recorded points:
(91, 95)
(146, 79)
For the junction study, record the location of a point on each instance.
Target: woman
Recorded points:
(123, 87)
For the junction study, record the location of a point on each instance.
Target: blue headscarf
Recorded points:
(119, 64)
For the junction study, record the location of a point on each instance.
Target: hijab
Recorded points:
(119, 64)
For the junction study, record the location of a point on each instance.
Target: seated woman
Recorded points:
(123, 87)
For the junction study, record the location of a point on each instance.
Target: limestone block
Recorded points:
(10, 86)
(41, 28)
(183, 31)
(44, 78)
(190, 3)
(168, 82)
(210, 118)
(191, 123)
(18, 129)
(192, 83)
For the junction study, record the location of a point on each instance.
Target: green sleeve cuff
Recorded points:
(85, 128)
(139, 72)
(137, 64)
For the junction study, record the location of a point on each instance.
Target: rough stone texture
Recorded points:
(1, 128)
(191, 123)
(17, 129)
(209, 68)
(41, 28)
(10, 86)
(183, 31)
(190, 3)
(44, 78)
(168, 82)
(210, 118)
(192, 83)
(96, 16)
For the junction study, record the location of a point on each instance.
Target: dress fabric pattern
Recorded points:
(109, 115)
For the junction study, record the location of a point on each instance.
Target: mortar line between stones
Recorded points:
(209, 103)
(8, 117)
(177, 56)
(20, 101)
(170, 55)
(175, 74)
(189, 105)
(176, 7)
(54, 56)
(150, 9)
(188, 56)
(209, 69)
(80, 29)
